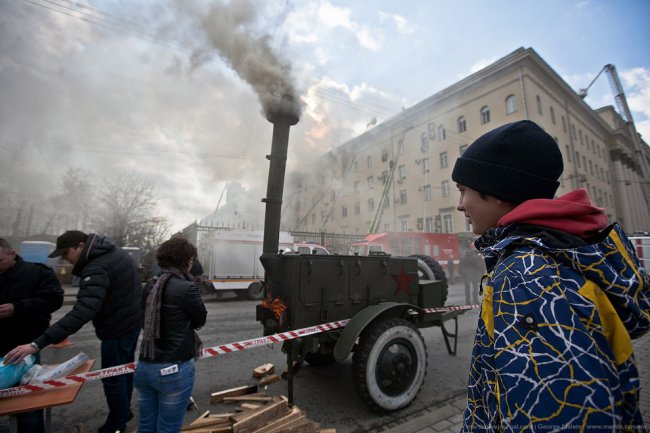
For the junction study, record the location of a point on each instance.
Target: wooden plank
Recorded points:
(300, 424)
(202, 416)
(227, 429)
(328, 430)
(249, 406)
(272, 378)
(202, 424)
(277, 424)
(217, 397)
(251, 420)
(304, 426)
(247, 398)
(263, 370)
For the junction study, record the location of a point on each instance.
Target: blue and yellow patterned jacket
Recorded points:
(553, 348)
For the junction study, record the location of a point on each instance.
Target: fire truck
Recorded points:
(439, 246)
(642, 246)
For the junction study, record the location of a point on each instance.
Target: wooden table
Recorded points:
(46, 399)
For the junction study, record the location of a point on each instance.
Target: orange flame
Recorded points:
(276, 306)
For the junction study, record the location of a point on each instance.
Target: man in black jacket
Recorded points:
(29, 293)
(110, 295)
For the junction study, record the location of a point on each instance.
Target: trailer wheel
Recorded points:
(429, 268)
(255, 291)
(389, 365)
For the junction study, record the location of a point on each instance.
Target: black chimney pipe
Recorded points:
(282, 121)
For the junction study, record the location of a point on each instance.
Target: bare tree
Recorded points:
(126, 212)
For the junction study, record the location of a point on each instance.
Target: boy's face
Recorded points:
(482, 212)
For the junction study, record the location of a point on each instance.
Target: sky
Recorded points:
(176, 91)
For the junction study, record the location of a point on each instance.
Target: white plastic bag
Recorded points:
(48, 372)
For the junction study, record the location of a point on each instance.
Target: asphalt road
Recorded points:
(327, 393)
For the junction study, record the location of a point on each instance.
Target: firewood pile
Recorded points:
(257, 412)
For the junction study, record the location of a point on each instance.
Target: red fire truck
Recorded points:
(440, 246)
(642, 246)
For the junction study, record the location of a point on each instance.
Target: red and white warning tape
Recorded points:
(207, 353)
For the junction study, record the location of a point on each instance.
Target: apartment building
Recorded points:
(397, 176)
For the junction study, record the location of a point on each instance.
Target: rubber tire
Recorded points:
(255, 291)
(374, 343)
(428, 266)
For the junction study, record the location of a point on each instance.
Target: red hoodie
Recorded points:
(572, 213)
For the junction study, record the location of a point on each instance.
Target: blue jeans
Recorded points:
(163, 399)
(118, 389)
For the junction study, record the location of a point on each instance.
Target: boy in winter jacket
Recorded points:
(564, 295)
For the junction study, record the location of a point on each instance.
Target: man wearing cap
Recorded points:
(110, 295)
(29, 293)
(563, 297)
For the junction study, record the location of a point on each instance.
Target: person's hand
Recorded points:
(17, 354)
(6, 310)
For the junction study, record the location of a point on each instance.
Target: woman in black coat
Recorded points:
(173, 309)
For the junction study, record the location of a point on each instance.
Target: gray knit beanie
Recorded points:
(514, 163)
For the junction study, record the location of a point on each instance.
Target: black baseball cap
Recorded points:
(71, 238)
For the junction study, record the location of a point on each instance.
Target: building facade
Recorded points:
(397, 176)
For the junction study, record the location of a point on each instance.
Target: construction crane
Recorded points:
(388, 183)
(626, 114)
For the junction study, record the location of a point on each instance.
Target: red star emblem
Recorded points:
(403, 280)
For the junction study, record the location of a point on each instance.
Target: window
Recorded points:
(371, 205)
(431, 129)
(400, 148)
(462, 124)
(578, 159)
(427, 192)
(384, 177)
(369, 161)
(444, 185)
(511, 104)
(447, 223)
(404, 225)
(552, 111)
(424, 142)
(428, 224)
(384, 155)
(441, 132)
(463, 148)
(357, 208)
(573, 131)
(591, 168)
(580, 136)
(402, 196)
(563, 124)
(401, 172)
(443, 160)
(425, 165)
(568, 152)
(344, 211)
(485, 115)
(588, 143)
(539, 105)
(369, 182)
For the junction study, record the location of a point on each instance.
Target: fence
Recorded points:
(334, 242)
